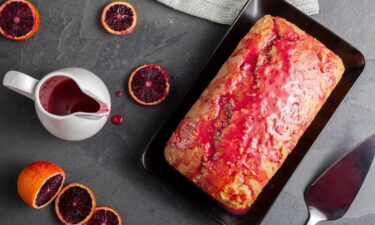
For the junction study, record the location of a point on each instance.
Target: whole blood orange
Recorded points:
(75, 204)
(39, 183)
(149, 84)
(119, 18)
(19, 20)
(105, 215)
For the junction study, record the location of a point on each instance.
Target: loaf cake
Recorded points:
(251, 116)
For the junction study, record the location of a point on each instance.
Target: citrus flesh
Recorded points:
(19, 20)
(149, 84)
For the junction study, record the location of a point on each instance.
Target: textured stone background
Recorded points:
(70, 35)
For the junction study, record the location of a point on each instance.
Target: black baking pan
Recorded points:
(153, 158)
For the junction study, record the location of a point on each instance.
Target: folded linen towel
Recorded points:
(225, 11)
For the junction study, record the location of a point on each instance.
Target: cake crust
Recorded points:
(252, 114)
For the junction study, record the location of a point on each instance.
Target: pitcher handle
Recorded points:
(20, 83)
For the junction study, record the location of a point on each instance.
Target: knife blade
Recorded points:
(330, 196)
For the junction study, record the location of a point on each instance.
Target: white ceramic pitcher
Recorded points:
(76, 126)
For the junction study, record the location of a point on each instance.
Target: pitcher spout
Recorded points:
(90, 116)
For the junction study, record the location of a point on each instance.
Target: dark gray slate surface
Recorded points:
(71, 35)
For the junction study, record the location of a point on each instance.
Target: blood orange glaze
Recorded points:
(252, 114)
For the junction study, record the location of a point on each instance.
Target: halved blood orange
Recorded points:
(149, 84)
(19, 20)
(75, 204)
(39, 183)
(119, 18)
(105, 216)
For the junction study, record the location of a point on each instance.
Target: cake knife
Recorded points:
(331, 195)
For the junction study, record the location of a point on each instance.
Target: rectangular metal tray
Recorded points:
(153, 158)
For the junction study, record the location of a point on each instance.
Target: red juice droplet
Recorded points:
(118, 94)
(117, 120)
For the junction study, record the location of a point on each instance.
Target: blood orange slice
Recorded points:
(105, 216)
(149, 84)
(39, 183)
(119, 18)
(75, 204)
(19, 20)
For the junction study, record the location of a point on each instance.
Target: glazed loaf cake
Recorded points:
(252, 114)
